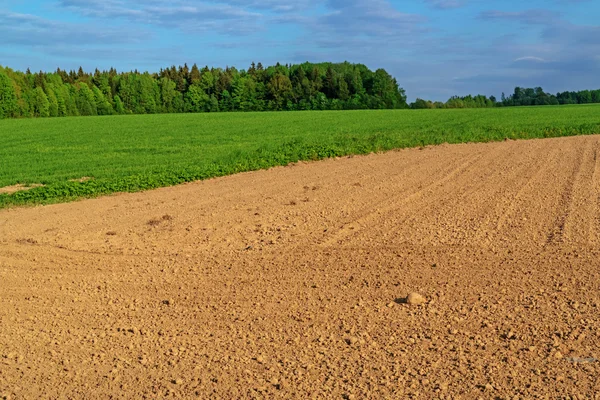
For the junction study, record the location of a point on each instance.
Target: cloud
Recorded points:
(528, 17)
(553, 76)
(447, 4)
(530, 59)
(573, 36)
(272, 5)
(559, 58)
(377, 19)
(153, 55)
(350, 17)
(31, 30)
(224, 17)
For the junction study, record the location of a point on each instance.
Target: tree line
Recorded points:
(308, 86)
(323, 86)
(520, 97)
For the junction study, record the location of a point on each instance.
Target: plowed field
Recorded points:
(290, 282)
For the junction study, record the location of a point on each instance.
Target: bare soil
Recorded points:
(292, 282)
(17, 188)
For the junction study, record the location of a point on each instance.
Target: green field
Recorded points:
(132, 153)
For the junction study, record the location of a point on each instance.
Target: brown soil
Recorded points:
(17, 188)
(292, 282)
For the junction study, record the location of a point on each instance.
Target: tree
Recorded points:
(52, 101)
(195, 74)
(86, 103)
(329, 84)
(103, 106)
(60, 93)
(280, 89)
(179, 89)
(147, 93)
(41, 105)
(343, 92)
(8, 97)
(196, 100)
(207, 82)
(119, 107)
(420, 104)
(169, 94)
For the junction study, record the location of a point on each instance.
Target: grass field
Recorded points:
(132, 153)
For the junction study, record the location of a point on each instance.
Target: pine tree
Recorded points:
(195, 74)
(252, 69)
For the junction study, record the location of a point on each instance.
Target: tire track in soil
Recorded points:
(369, 217)
(594, 220)
(473, 192)
(530, 184)
(470, 212)
(450, 199)
(563, 228)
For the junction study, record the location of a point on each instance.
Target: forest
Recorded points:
(520, 97)
(307, 86)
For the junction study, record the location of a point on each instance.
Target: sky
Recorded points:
(434, 48)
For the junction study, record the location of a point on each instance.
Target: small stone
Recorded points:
(415, 299)
(558, 355)
(178, 381)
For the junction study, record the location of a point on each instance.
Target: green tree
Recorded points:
(169, 94)
(280, 90)
(52, 100)
(196, 100)
(195, 74)
(343, 92)
(103, 106)
(41, 105)
(119, 107)
(207, 82)
(60, 102)
(86, 102)
(8, 96)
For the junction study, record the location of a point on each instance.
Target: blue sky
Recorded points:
(435, 48)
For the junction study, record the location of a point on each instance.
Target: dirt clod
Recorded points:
(415, 299)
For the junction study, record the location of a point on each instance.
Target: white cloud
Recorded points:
(530, 58)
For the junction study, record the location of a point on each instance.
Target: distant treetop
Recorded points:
(324, 86)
